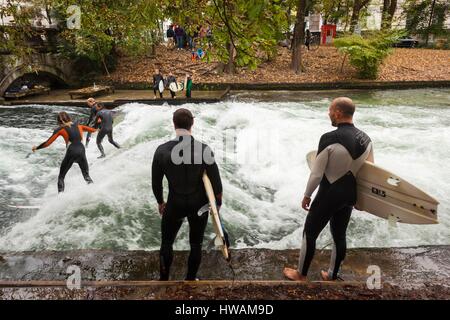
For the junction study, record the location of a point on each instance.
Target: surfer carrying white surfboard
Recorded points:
(157, 87)
(340, 155)
(171, 79)
(183, 161)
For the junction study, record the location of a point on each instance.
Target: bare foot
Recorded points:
(325, 277)
(293, 275)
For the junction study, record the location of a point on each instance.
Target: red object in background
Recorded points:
(327, 33)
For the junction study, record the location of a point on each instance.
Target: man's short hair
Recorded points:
(345, 105)
(183, 119)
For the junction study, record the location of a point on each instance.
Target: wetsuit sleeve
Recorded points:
(318, 168)
(50, 140)
(157, 178)
(88, 129)
(212, 170)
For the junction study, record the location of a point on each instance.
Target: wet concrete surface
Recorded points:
(119, 97)
(406, 273)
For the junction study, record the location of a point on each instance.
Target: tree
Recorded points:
(107, 25)
(358, 5)
(244, 32)
(426, 17)
(15, 37)
(299, 37)
(387, 13)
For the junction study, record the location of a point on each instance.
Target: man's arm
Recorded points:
(157, 179)
(317, 172)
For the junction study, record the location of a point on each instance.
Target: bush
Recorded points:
(367, 54)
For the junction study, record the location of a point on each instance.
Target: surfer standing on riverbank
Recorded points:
(73, 136)
(157, 78)
(340, 155)
(183, 161)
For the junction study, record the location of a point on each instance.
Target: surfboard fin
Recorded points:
(392, 221)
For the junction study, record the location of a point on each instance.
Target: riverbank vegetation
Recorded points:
(243, 35)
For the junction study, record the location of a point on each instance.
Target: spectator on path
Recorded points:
(170, 36)
(307, 38)
(179, 34)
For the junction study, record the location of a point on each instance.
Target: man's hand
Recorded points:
(306, 202)
(34, 149)
(162, 208)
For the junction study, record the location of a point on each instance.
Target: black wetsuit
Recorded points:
(106, 129)
(186, 196)
(73, 137)
(157, 78)
(171, 79)
(92, 117)
(340, 155)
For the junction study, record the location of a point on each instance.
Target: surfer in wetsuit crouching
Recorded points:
(73, 136)
(104, 118)
(183, 161)
(341, 154)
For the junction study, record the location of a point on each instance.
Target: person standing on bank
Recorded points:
(340, 155)
(171, 79)
(105, 120)
(183, 161)
(188, 86)
(157, 78)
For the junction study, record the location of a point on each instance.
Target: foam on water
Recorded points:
(263, 168)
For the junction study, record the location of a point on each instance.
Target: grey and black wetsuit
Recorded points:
(340, 155)
(92, 117)
(187, 195)
(105, 117)
(73, 137)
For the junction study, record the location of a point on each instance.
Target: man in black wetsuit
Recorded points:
(92, 104)
(183, 161)
(340, 155)
(105, 119)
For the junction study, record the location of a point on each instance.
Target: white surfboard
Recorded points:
(173, 87)
(390, 197)
(161, 86)
(220, 236)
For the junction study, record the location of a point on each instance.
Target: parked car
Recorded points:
(406, 42)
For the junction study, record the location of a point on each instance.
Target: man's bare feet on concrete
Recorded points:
(293, 275)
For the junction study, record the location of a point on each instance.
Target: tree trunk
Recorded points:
(358, 5)
(388, 12)
(230, 67)
(430, 21)
(299, 37)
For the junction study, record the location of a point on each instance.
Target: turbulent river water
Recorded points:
(260, 140)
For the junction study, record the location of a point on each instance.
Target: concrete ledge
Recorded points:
(305, 86)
